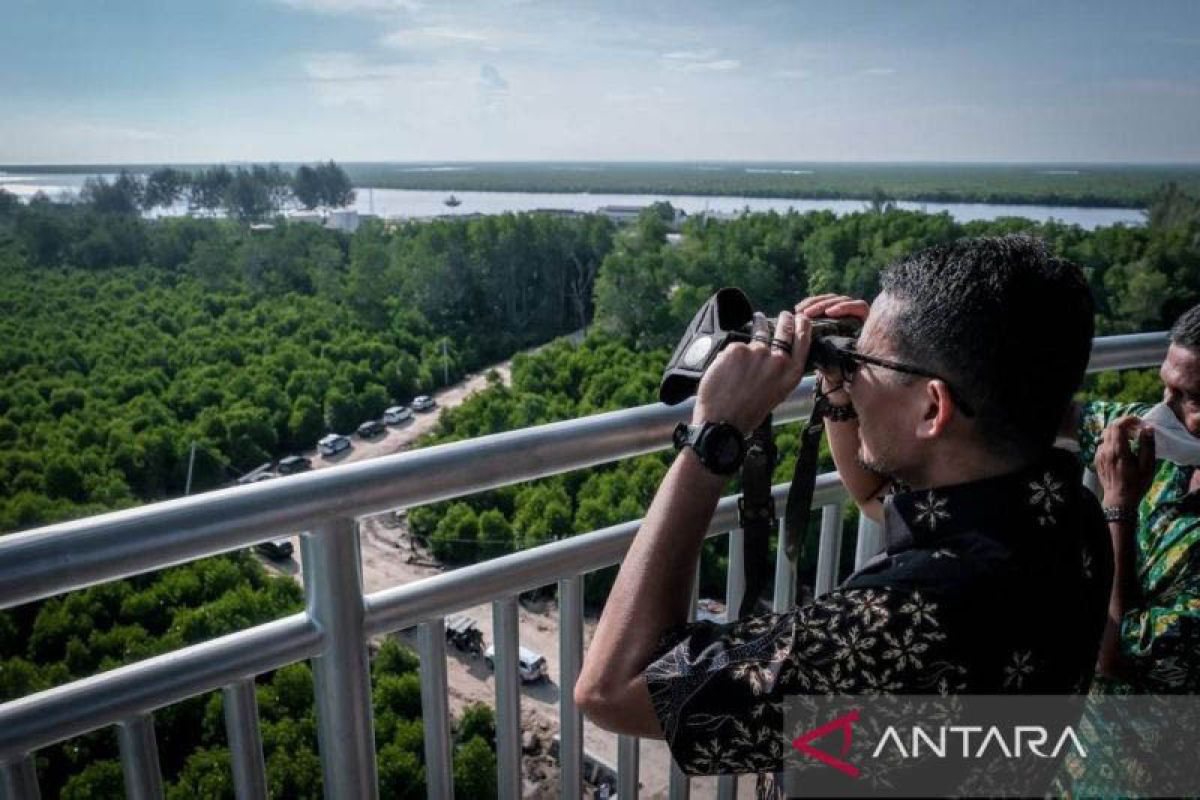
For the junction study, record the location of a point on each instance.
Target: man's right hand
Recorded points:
(834, 306)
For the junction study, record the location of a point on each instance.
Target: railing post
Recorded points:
(627, 766)
(345, 729)
(245, 740)
(869, 540)
(829, 553)
(18, 780)
(506, 632)
(679, 785)
(735, 576)
(570, 657)
(435, 711)
(735, 587)
(139, 758)
(785, 576)
(1092, 481)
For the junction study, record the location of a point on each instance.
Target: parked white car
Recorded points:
(423, 402)
(397, 414)
(530, 666)
(332, 444)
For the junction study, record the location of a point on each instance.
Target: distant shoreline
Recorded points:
(1081, 185)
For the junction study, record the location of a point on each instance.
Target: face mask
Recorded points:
(1172, 441)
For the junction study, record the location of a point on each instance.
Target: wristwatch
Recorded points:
(1121, 514)
(719, 445)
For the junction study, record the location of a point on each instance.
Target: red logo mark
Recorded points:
(844, 722)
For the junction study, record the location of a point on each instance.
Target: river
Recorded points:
(399, 203)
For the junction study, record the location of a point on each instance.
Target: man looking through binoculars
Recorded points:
(941, 421)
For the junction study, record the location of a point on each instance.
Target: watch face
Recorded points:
(727, 449)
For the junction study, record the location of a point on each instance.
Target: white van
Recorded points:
(332, 444)
(397, 414)
(530, 666)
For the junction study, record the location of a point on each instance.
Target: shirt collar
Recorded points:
(1037, 496)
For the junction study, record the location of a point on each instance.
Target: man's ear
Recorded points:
(939, 407)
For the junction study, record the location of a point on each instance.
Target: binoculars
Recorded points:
(727, 317)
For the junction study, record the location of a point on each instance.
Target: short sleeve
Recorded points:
(1097, 415)
(1160, 641)
(719, 690)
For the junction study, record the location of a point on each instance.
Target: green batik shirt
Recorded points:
(1160, 634)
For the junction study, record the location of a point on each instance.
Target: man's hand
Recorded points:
(1126, 476)
(833, 306)
(747, 381)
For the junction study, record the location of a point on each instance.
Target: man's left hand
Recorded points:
(1125, 475)
(746, 381)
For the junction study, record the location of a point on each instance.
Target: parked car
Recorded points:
(530, 666)
(292, 464)
(423, 402)
(371, 427)
(275, 548)
(463, 632)
(260, 473)
(397, 414)
(332, 444)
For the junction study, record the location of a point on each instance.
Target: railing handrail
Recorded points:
(338, 616)
(72, 555)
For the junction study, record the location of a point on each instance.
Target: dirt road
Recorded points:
(386, 549)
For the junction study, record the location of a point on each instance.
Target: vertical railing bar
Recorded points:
(735, 587)
(829, 554)
(245, 740)
(505, 622)
(18, 780)
(1092, 481)
(785, 575)
(869, 540)
(735, 576)
(139, 758)
(627, 766)
(332, 565)
(679, 785)
(570, 658)
(435, 709)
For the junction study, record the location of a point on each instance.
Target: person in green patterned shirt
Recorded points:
(1153, 510)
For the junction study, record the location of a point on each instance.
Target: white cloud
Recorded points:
(691, 55)
(353, 6)
(117, 132)
(720, 65)
(879, 71)
(435, 34)
(491, 80)
(698, 61)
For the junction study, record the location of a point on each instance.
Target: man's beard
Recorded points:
(876, 467)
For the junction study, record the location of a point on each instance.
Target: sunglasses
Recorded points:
(849, 359)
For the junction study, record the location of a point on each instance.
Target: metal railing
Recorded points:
(338, 619)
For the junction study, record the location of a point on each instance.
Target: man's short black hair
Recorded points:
(1006, 322)
(1186, 330)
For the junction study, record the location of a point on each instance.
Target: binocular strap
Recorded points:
(756, 511)
(756, 506)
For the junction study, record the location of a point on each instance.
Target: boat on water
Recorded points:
(452, 201)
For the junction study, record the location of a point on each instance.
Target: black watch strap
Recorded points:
(721, 447)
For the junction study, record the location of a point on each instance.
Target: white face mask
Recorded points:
(1172, 441)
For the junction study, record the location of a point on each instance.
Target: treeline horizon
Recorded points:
(247, 194)
(1043, 183)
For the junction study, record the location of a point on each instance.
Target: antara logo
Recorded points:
(1031, 738)
(844, 722)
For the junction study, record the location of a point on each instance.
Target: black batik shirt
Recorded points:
(991, 587)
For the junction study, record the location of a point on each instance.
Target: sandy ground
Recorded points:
(387, 555)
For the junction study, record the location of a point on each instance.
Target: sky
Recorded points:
(120, 81)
